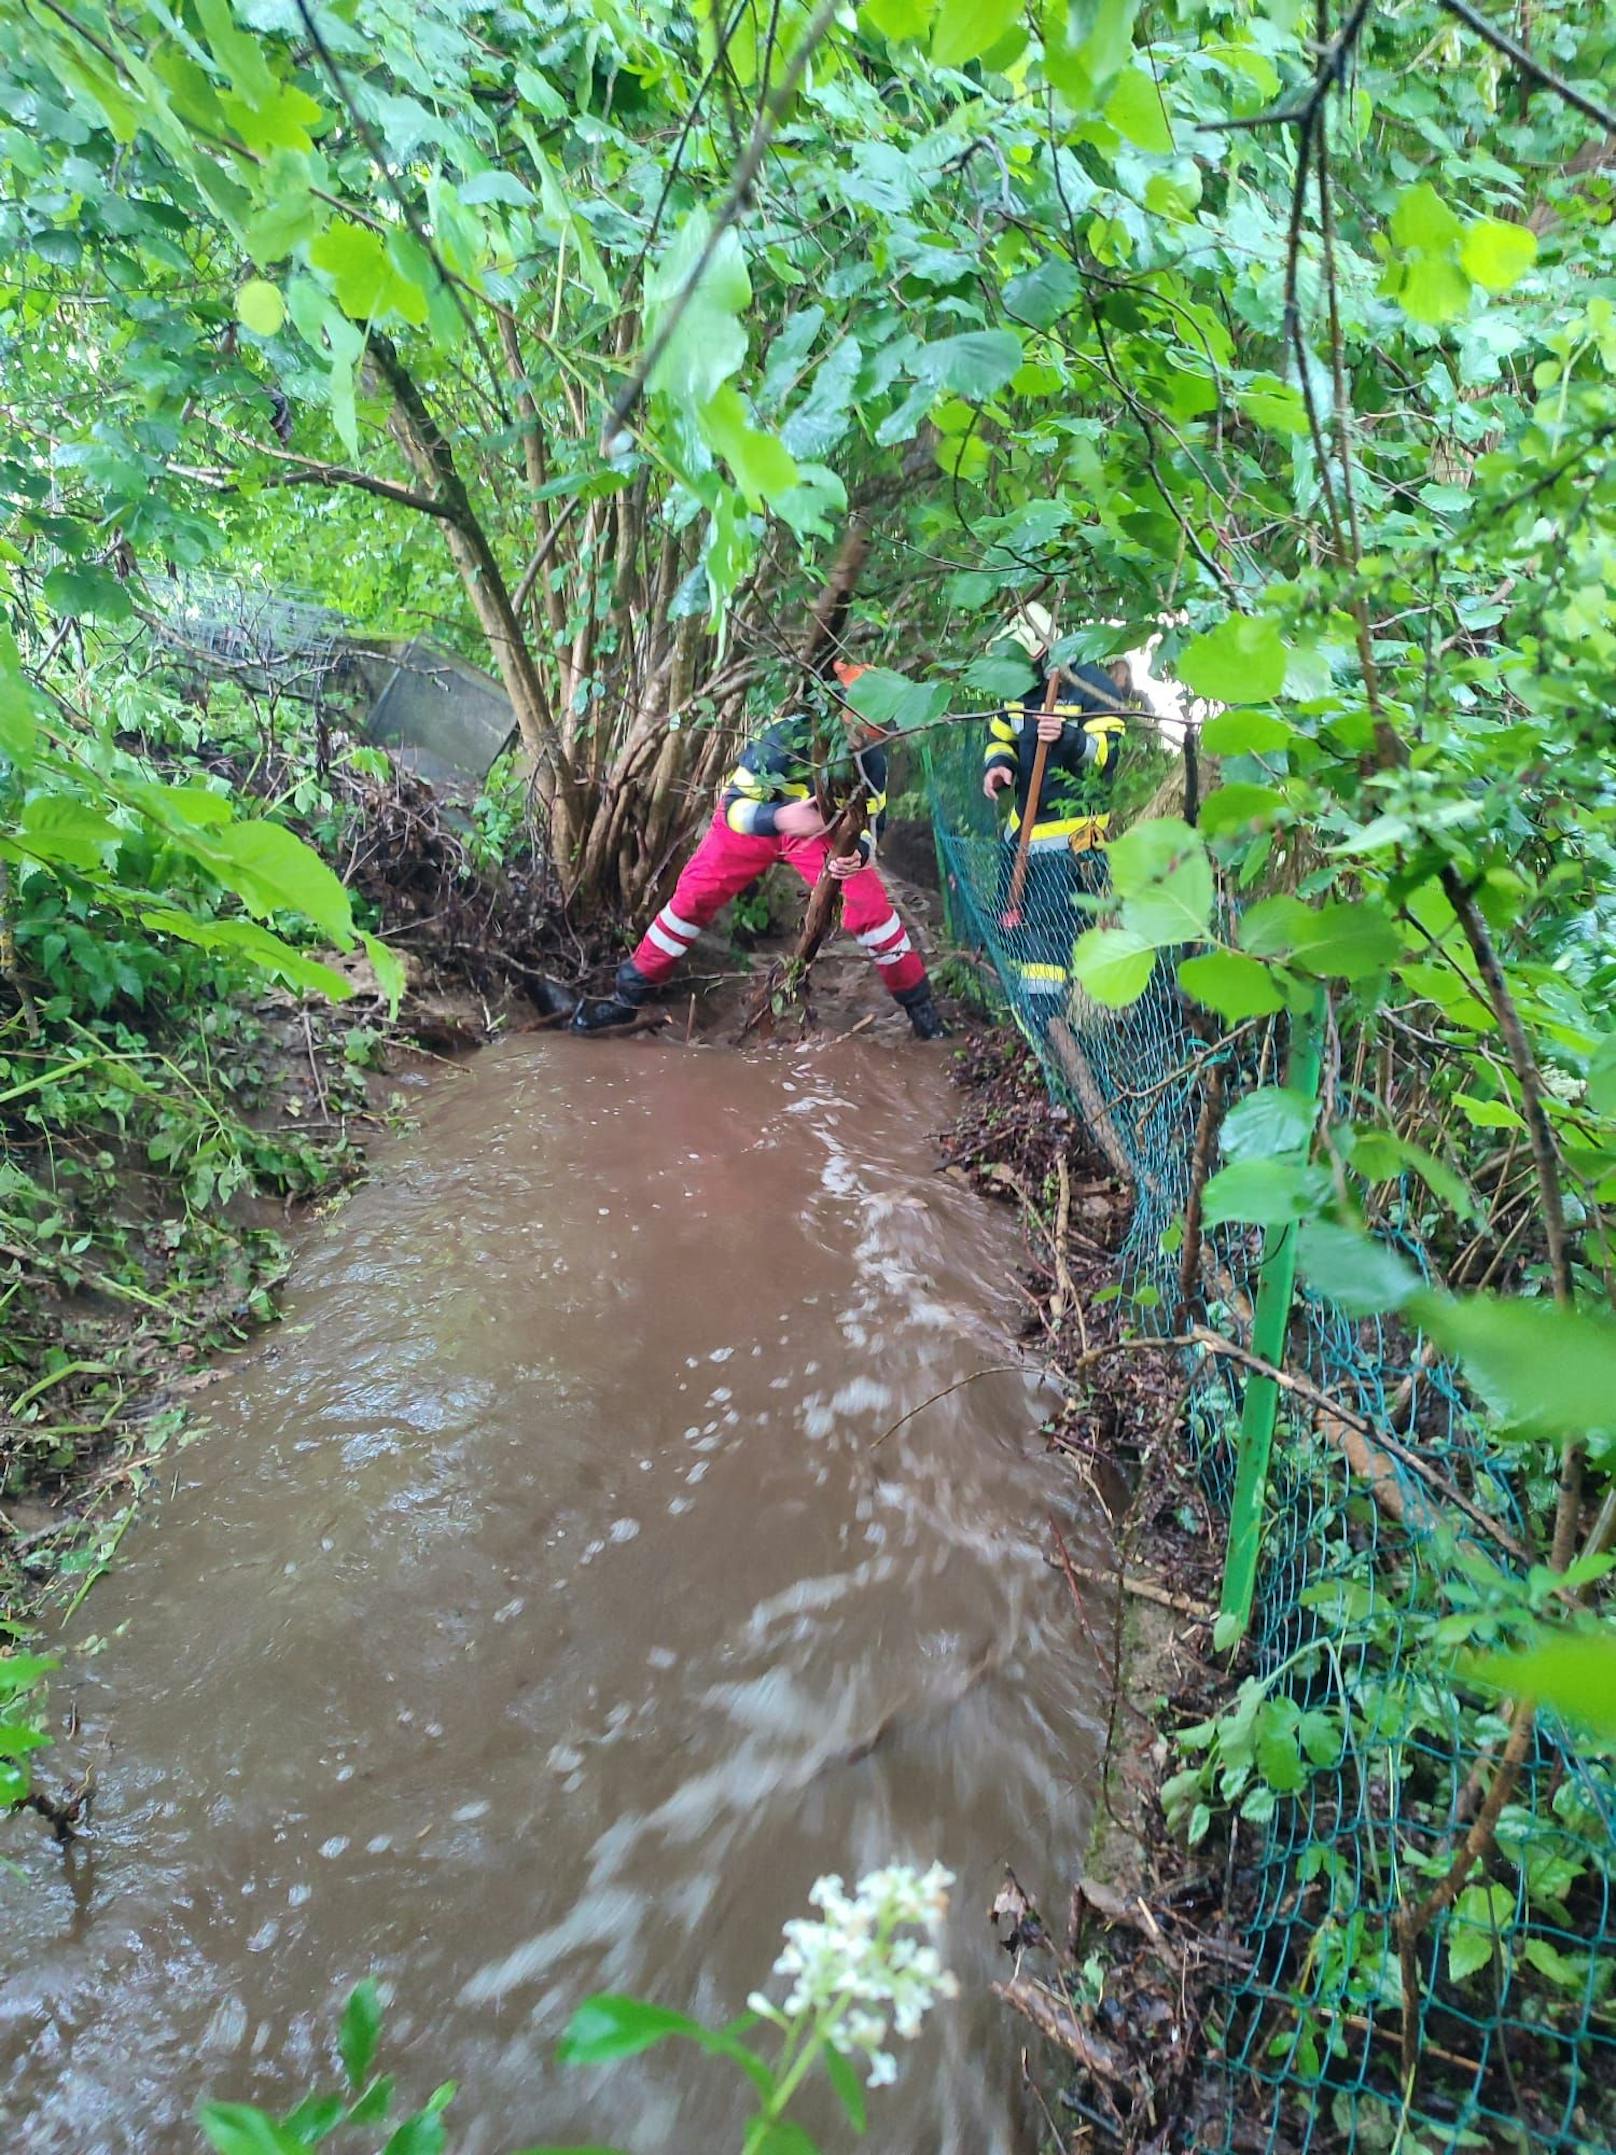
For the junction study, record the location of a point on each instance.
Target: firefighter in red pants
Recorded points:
(767, 812)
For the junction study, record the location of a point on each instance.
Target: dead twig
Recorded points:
(994, 1369)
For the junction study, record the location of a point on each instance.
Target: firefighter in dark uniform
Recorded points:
(767, 811)
(1084, 730)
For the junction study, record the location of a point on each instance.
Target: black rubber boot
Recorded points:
(596, 1013)
(924, 1015)
(551, 999)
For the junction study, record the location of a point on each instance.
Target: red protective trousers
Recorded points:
(726, 861)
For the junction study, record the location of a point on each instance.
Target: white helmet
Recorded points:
(1032, 626)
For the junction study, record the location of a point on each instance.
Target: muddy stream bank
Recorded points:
(535, 1618)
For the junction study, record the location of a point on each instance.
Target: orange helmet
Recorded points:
(846, 672)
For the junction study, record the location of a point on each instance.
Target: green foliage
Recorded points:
(854, 1970)
(364, 2108)
(20, 1733)
(1030, 286)
(1574, 1672)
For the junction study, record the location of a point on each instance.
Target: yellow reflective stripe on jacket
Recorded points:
(1001, 745)
(753, 791)
(1104, 733)
(1064, 830)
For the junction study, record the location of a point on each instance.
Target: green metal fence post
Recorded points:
(1269, 1325)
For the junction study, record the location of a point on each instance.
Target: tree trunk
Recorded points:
(430, 457)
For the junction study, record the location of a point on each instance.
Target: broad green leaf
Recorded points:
(1444, 1182)
(1496, 255)
(19, 729)
(363, 276)
(1340, 939)
(607, 2027)
(892, 701)
(965, 29)
(495, 187)
(20, 1672)
(1279, 1755)
(1550, 1371)
(1432, 289)
(239, 53)
(1482, 1919)
(260, 307)
(1278, 406)
(273, 871)
(709, 342)
(1269, 1121)
(1364, 1276)
(1442, 985)
(763, 468)
(1135, 110)
(974, 365)
(1043, 295)
(1245, 733)
(1601, 1072)
(898, 20)
(1241, 661)
(179, 809)
(388, 967)
(374, 2104)
(316, 2118)
(783, 2136)
(239, 2129)
(846, 2083)
(360, 2032)
(1103, 33)
(424, 2134)
(1321, 1734)
(1264, 1192)
(1234, 986)
(259, 946)
(1113, 965)
(1174, 194)
(84, 590)
(57, 828)
(1538, 1953)
(1572, 1671)
(1488, 1114)
(1236, 806)
(1422, 219)
(1161, 871)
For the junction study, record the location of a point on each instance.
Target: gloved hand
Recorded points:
(996, 780)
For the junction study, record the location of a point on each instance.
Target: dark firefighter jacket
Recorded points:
(1079, 768)
(781, 765)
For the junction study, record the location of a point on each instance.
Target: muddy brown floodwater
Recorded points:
(522, 1623)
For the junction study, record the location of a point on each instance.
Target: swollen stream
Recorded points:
(535, 1618)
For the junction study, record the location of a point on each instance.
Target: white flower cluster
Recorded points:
(860, 1969)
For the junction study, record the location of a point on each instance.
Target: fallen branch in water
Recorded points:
(1131, 1582)
(1053, 2016)
(994, 1369)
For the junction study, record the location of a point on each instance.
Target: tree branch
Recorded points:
(1533, 69)
(312, 471)
(745, 173)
